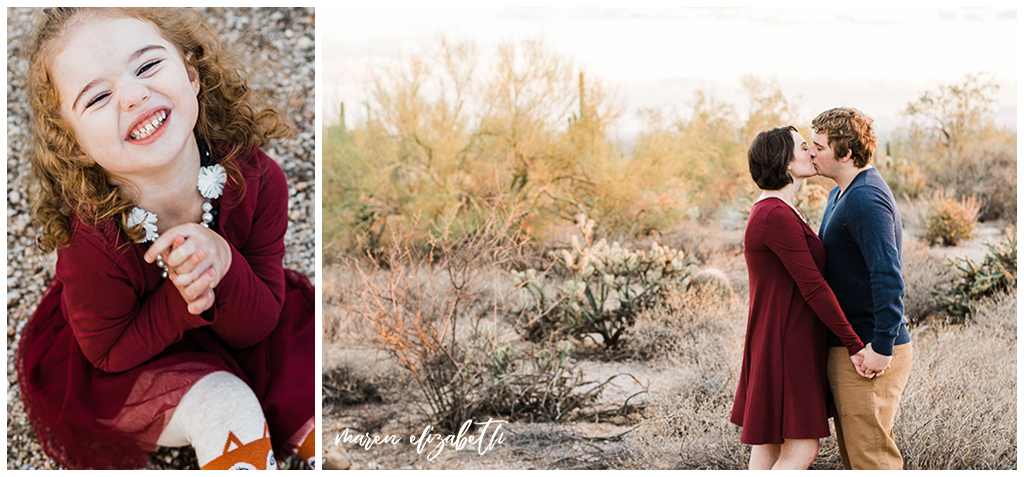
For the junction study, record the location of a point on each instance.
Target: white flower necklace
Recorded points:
(210, 183)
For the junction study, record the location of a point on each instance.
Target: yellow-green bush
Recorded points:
(951, 221)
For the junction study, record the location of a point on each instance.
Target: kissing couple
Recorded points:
(826, 321)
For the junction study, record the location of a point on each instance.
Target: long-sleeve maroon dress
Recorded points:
(112, 348)
(783, 386)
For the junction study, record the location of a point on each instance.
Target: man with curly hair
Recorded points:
(863, 235)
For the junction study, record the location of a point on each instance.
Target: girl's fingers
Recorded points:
(161, 246)
(198, 287)
(203, 303)
(193, 261)
(205, 266)
(181, 253)
(215, 277)
(182, 280)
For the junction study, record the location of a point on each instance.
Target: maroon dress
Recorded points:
(112, 348)
(783, 386)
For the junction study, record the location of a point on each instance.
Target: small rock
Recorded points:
(335, 459)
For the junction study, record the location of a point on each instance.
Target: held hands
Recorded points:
(858, 362)
(872, 364)
(197, 258)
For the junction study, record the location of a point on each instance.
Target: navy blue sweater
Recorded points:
(863, 236)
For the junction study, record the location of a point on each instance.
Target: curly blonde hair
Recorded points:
(67, 182)
(848, 130)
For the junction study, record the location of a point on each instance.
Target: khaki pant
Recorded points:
(866, 409)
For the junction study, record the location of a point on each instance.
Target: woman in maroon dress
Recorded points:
(781, 397)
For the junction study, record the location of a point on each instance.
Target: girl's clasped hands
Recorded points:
(197, 258)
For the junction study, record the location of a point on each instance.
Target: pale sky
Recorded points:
(874, 59)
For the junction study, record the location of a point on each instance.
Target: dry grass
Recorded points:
(689, 428)
(960, 406)
(687, 326)
(341, 322)
(925, 270)
(914, 212)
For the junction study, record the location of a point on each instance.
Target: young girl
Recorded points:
(171, 320)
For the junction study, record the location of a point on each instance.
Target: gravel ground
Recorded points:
(278, 48)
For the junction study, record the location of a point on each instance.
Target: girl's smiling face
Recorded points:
(127, 94)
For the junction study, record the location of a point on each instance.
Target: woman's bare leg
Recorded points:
(797, 454)
(763, 457)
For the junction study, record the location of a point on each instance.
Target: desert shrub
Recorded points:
(652, 339)
(447, 130)
(703, 241)
(924, 273)
(415, 305)
(960, 405)
(991, 175)
(904, 176)
(997, 273)
(914, 213)
(710, 280)
(427, 309)
(535, 383)
(687, 320)
(607, 287)
(342, 386)
(811, 200)
(950, 221)
(988, 173)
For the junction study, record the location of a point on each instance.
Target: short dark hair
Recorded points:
(769, 157)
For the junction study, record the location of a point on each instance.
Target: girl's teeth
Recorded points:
(148, 129)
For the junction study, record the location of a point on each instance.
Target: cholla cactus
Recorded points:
(607, 288)
(996, 274)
